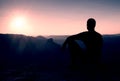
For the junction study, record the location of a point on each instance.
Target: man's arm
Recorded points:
(72, 38)
(76, 37)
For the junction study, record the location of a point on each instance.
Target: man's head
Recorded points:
(91, 23)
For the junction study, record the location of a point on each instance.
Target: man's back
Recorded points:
(93, 43)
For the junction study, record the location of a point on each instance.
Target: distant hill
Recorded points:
(34, 57)
(12, 44)
(26, 49)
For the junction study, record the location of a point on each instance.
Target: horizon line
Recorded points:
(51, 34)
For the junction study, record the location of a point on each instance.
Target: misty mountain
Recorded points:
(21, 54)
(12, 45)
(26, 49)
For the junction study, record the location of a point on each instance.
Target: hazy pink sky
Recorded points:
(59, 17)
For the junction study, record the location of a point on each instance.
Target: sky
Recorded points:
(58, 17)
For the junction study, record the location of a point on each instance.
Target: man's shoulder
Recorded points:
(98, 33)
(85, 32)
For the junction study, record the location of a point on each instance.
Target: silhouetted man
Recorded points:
(92, 40)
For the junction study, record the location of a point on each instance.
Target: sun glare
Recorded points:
(18, 22)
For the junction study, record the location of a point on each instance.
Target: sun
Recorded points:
(18, 22)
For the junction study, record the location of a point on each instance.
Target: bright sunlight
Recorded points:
(19, 24)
